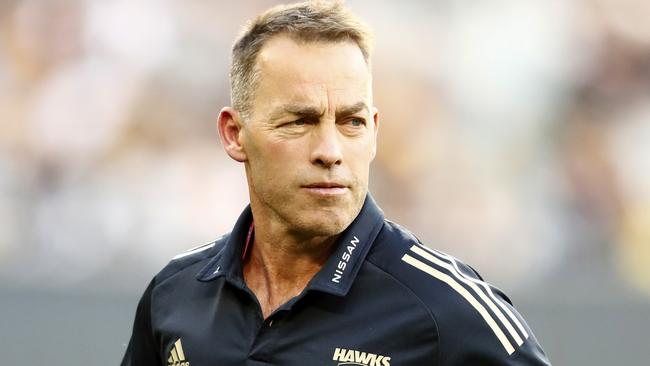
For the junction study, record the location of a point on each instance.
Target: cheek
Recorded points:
(361, 154)
(262, 150)
(279, 156)
(272, 162)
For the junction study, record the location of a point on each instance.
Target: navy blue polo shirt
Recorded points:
(381, 299)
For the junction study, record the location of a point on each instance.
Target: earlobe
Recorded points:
(229, 126)
(375, 120)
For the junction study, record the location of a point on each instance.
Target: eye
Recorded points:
(303, 122)
(357, 122)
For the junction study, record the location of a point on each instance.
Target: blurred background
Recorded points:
(514, 135)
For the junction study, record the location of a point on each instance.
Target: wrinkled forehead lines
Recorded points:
(318, 100)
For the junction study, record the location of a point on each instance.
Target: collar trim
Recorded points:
(247, 245)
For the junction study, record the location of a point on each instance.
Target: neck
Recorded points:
(287, 257)
(279, 264)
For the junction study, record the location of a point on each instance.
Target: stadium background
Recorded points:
(514, 135)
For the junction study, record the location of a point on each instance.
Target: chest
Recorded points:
(374, 326)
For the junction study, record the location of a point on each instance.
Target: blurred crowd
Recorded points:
(513, 134)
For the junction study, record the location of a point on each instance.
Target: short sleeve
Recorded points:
(142, 350)
(487, 332)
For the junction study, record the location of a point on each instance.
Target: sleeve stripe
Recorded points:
(473, 286)
(487, 288)
(465, 294)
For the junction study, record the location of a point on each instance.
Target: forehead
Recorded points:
(297, 70)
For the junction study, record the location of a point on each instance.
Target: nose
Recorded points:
(326, 146)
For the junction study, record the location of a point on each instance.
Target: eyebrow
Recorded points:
(351, 109)
(310, 111)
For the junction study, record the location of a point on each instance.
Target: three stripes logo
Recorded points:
(478, 294)
(177, 356)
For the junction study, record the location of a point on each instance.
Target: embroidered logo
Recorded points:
(177, 356)
(353, 357)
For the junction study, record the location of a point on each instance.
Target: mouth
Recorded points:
(326, 188)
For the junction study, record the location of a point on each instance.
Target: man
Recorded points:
(312, 274)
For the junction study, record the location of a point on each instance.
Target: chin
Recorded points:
(324, 224)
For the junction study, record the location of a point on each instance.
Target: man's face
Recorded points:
(311, 136)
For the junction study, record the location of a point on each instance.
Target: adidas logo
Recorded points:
(177, 356)
(354, 357)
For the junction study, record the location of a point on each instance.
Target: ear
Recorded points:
(375, 121)
(230, 130)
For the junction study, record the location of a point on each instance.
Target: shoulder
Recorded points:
(469, 312)
(191, 260)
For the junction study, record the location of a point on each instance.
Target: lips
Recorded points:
(326, 189)
(325, 185)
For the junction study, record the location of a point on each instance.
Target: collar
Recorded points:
(338, 273)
